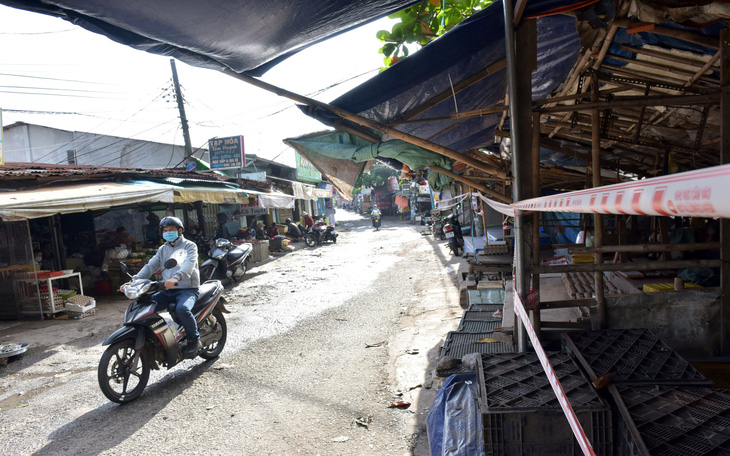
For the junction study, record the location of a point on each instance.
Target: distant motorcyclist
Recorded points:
(375, 217)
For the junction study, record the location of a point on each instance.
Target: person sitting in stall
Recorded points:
(123, 238)
(292, 231)
(308, 220)
(261, 231)
(222, 231)
(273, 231)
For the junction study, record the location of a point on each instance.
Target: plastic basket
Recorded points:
(636, 356)
(459, 344)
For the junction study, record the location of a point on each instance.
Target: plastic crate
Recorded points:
(459, 344)
(481, 315)
(672, 420)
(491, 308)
(636, 356)
(521, 414)
(486, 296)
(478, 326)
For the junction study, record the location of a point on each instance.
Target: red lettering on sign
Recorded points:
(635, 199)
(617, 203)
(656, 200)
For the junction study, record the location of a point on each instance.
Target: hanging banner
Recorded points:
(401, 201)
(226, 153)
(697, 193)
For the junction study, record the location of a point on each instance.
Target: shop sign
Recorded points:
(306, 170)
(249, 210)
(424, 190)
(226, 153)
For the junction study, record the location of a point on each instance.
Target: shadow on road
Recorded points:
(126, 419)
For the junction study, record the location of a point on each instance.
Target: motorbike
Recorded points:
(452, 231)
(320, 233)
(226, 261)
(150, 339)
(376, 221)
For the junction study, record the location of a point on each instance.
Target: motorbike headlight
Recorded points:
(136, 289)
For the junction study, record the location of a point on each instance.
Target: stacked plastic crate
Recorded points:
(521, 414)
(482, 319)
(665, 406)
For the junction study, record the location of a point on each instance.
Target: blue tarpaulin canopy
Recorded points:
(474, 47)
(243, 36)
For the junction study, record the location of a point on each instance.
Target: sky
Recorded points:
(56, 74)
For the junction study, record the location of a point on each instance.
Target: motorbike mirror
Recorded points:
(123, 267)
(171, 263)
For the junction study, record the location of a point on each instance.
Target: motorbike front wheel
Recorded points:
(454, 247)
(207, 273)
(238, 276)
(120, 379)
(215, 349)
(310, 240)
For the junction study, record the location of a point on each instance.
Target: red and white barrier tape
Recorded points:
(446, 204)
(575, 425)
(697, 193)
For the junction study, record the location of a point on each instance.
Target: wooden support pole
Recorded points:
(724, 159)
(439, 149)
(601, 319)
(588, 302)
(636, 102)
(476, 185)
(535, 162)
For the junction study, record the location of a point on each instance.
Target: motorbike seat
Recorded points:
(205, 291)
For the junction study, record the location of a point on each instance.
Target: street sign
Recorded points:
(226, 153)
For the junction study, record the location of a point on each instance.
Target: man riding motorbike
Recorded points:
(375, 217)
(181, 282)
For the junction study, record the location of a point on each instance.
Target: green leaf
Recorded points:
(388, 49)
(383, 35)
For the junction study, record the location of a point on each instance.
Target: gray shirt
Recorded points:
(186, 271)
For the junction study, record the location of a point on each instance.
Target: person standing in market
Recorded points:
(181, 282)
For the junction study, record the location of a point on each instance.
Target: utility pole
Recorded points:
(181, 108)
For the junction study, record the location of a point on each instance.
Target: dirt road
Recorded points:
(321, 342)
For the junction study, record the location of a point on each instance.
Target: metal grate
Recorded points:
(459, 344)
(478, 326)
(486, 296)
(672, 420)
(521, 414)
(637, 356)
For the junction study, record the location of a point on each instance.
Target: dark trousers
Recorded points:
(182, 301)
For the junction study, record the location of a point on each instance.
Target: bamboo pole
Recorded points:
(437, 148)
(601, 314)
(645, 248)
(637, 102)
(646, 266)
(476, 185)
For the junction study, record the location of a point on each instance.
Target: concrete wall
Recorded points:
(38, 144)
(688, 320)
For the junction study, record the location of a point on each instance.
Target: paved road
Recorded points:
(296, 377)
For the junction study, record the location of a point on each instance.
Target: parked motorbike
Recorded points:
(376, 221)
(452, 231)
(226, 261)
(320, 233)
(149, 339)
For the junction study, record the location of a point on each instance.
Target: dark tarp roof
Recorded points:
(244, 35)
(469, 48)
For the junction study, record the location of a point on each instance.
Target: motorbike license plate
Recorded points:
(449, 234)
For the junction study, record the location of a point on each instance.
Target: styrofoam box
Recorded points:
(76, 308)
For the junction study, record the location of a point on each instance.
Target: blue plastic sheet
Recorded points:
(454, 422)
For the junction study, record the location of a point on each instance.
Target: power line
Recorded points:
(54, 88)
(59, 95)
(52, 79)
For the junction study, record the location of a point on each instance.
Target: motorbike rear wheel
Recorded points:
(310, 240)
(454, 248)
(215, 349)
(207, 273)
(244, 269)
(119, 379)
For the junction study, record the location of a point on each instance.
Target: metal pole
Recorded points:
(520, 282)
(181, 108)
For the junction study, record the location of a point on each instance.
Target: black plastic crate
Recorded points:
(636, 356)
(491, 308)
(459, 344)
(672, 420)
(479, 326)
(521, 414)
(481, 315)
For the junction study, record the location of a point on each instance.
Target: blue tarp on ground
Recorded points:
(454, 423)
(243, 35)
(467, 49)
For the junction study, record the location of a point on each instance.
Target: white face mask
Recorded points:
(38, 259)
